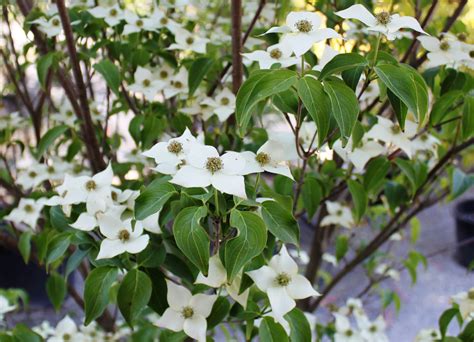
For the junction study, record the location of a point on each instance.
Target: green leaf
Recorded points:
(152, 256)
(468, 332)
(416, 172)
(359, 197)
(49, 138)
(57, 247)
(56, 288)
(352, 76)
(111, 74)
(22, 333)
(442, 106)
(344, 105)
(396, 194)
(342, 246)
(75, 260)
(152, 199)
(44, 64)
(286, 101)
(461, 182)
(399, 107)
(375, 173)
(259, 86)
(219, 311)
(468, 118)
(311, 194)
(415, 231)
(280, 222)
(300, 330)
(158, 301)
(191, 238)
(407, 85)
(446, 318)
(198, 70)
(24, 246)
(317, 103)
(343, 62)
(133, 294)
(270, 331)
(96, 291)
(249, 242)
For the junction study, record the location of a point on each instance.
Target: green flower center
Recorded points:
(214, 164)
(383, 18)
(187, 312)
(373, 328)
(164, 74)
(29, 208)
(146, 83)
(163, 21)
(424, 137)
(304, 26)
(139, 23)
(66, 337)
(69, 113)
(349, 332)
(175, 147)
(51, 169)
(395, 129)
(434, 334)
(225, 101)
(55, 22)
(76, 169)
(91, 185)
(462, 37)
(470, 294)
(113, 12)
(124, 235)
(189, 40)
(444, 45)
(32, 174)
(262, 158)
(339, 212)
(471, 54)
(178, 84)
(114, 196)
(283, 279)
(276, 54)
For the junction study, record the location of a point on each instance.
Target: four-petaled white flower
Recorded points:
(120, 237)
(170, 156)
(428, 335)
(32, 176)
(443, 51)
(383, 22)
(223, 105)
(372, 331)
(338, 215)
(51, 27)
(217, 277)
(178, 84)
(328, 54)
(87, 222)
(66, 330)
(112, 15)
(5, 307)
(302, 31)
(188, 41)
(186, 312)
(137, 24)
(465, 301)
(28, 212)
(146, 84)
(358, 155)
(275, 54)
(206, 168)
(344, 331)
(282, 283)
(268, 158)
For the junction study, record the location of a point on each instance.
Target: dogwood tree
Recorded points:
(171, 153)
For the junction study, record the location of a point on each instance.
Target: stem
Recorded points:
(377, 46)
(237, 66)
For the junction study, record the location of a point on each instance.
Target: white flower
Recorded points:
(28, 211)
(178, 84)
(33, 176)
(428, 335)
(344, 331)
(44, 329)
(465, 301)
(302, 31)
(146, 84)
(206, 168)
(199, 107)
(217, 277)
(386, 270)
(328, 54)
(5, 307)
(94, 191)
(372, 331)
(353, 306)
(383, 22)
(278, 53)
(360, 155)
(282, 283)
(223, 105)
(267, 158)
(112, 15)
(151, 223)
(283, 146)
(329, 258)
(82, 3)
(159, 19)
(338, 215)
(120, 237)
(444, 51)
(188, 41)
(125, 197)
(51, 27)
(136, 24)
(88, 222)
(389, 132)
(171, 155)
(65, 331)
(186, 312)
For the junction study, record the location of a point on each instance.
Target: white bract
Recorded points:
(428, 335)
(87, 222)
(328, 54)
(372, 331)
(217, 277)
(51, 27)
(338, 215)
(223, 105)
(360, 154)
(383, 22)
(33, 176)
(66, 330)
(206, 167)
(120, 236)
(188, 41)
(302, 31)
(443, 51)
(146, 84)
(465, 301)
(27, 212)
(344, 331)
(282, 283)
(112, 15)
(5, 307)
(170, 156)
(186, 312)
(178, 84)
(275, 54)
